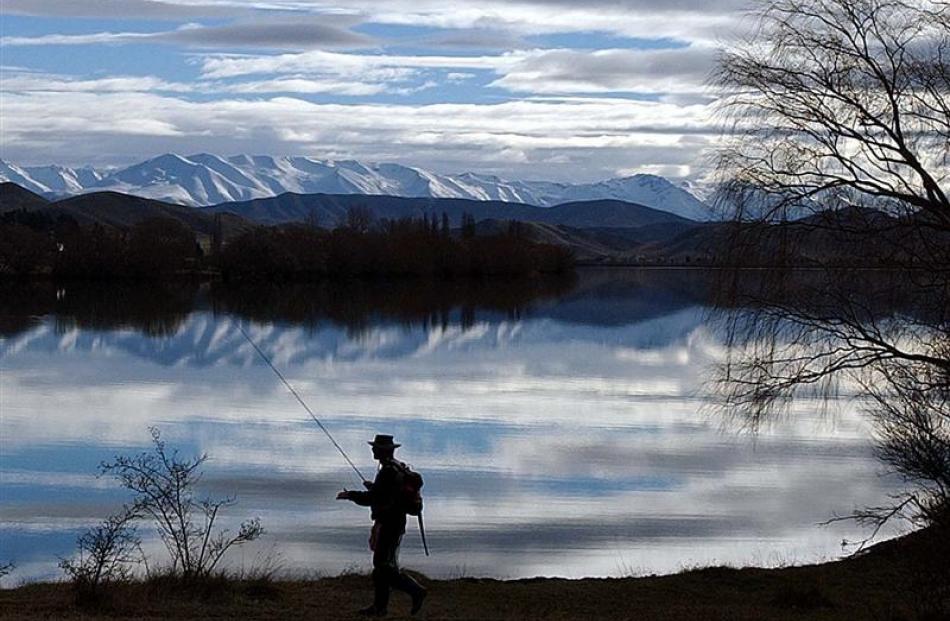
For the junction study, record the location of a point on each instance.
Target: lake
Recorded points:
(563, 428)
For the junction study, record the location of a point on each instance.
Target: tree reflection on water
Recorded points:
(159, 309)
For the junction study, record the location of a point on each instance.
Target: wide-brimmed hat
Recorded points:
(384, 442)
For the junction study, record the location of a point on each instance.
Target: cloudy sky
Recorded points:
(543, 89)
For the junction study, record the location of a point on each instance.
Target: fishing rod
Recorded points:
(302, 402)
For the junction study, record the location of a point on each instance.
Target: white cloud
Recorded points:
(80, 39)
(302, 85)
(553, 71)
(27, 82)
(682, 19)
(320, 61)
(688, 20)
(467, 23)
(579, 138)
(457, 76)
(387, 81)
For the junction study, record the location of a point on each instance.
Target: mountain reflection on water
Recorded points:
(561, 425)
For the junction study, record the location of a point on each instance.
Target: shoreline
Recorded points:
(215, 276)
(876, 584)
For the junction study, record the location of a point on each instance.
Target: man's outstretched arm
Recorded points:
(364, 499)
(376, 491)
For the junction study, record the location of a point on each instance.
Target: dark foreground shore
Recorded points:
(886, 583)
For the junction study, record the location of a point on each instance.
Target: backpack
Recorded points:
(410, 489)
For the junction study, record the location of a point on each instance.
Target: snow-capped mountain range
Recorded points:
(206, 179)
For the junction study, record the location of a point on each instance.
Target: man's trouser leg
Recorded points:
(381, 583)
(385, 566)
(386, 574)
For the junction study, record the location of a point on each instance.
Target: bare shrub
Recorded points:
(6, 568)
(164, 485)
(105, 553)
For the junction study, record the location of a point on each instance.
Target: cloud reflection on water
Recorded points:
(550, 444)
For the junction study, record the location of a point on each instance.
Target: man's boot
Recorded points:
(416, 591)
(380, 594)
(417, 599)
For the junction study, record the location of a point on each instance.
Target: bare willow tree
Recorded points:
(838, 157)
(843, 100)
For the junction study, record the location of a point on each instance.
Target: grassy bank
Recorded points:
(883, 584)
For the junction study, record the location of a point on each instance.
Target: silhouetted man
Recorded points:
(383, 496)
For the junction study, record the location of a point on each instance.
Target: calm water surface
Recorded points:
(562, 430)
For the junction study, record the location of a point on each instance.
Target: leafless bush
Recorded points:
(164, 485)
(105, 553)
(6, 568)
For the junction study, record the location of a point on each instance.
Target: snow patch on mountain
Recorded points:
(207, 179)
(51, 180)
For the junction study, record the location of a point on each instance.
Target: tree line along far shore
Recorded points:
(37, 244)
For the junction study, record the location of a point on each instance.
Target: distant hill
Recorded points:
(329, 210)
(12, 196)
(605, 244)
(585, 248)
(602, 231)
(116, 210)
(607, 213)
(594, 230)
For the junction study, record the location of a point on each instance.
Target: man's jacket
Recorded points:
(383, 496)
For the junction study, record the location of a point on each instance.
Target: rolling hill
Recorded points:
(604, 230)
(330, 210)
(112, 209)
(13, 196)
